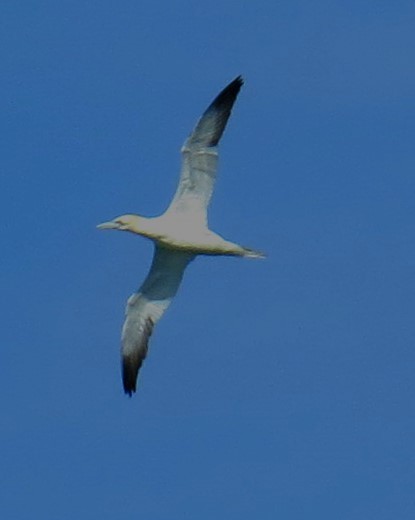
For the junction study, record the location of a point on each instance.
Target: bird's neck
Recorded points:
(146, 227)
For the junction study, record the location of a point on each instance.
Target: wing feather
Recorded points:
(200, 156)
(146, 307)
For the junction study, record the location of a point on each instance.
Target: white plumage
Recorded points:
(179, 234)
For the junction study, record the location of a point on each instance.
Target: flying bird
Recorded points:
(179, 234)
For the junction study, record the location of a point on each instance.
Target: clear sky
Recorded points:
(273, 389)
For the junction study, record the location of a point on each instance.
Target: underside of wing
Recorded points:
(137, 329)
(146, 307)
(200, 155)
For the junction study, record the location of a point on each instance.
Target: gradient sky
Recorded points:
(273, 389)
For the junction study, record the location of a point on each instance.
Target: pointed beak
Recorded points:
(108, 225)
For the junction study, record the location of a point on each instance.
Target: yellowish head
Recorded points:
(124, 223)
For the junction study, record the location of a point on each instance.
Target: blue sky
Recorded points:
(273, 389)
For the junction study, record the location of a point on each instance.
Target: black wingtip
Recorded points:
(134, 352)
(239, 80)
(211, 125)
(228, 95)
(130, 370)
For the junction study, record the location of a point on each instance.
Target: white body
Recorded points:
(179, 234)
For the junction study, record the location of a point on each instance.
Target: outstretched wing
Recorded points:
(200, 156)
(146, 307)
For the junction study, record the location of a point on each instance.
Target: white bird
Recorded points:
(179, 234)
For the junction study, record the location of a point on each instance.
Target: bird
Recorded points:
(179, 235)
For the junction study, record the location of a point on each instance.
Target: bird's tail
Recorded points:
(252, 253)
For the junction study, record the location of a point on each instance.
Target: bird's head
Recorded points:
(124, 223)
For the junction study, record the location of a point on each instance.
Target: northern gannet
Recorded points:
(179, 234)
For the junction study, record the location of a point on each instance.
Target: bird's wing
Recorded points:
(145, 308)
(200, 156)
